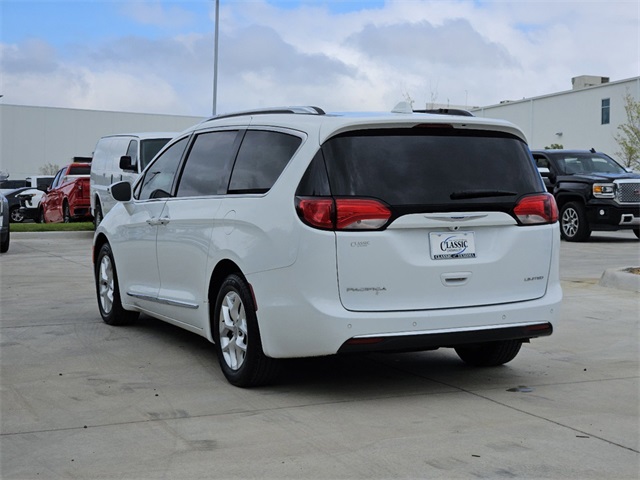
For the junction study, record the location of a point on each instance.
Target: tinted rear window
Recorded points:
(261, 159)
(436, 167)
(82, 170)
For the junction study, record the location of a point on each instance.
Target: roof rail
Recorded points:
(303, 110)
(447, 111)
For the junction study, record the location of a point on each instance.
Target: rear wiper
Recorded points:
(465, 194)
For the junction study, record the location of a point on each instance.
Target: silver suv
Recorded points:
(293, 232)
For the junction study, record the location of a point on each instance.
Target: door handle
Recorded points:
(158, 221)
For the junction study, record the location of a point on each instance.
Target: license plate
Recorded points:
(452, 245)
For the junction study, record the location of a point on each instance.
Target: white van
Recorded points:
(120, 157)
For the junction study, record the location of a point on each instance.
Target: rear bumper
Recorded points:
(433, 340)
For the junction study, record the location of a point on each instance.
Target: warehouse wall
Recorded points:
(31, 137)
(571, 118)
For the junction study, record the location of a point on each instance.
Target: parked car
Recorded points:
(30, 199)
(15, 215)
(5, 226)
(68, 197)
(120, 157)
(7, 186)
(295, 233)
(592, 190)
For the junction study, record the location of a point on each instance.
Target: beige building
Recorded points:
(31, 137)
(587, 116)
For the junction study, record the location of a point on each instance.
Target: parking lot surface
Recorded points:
(83, 400)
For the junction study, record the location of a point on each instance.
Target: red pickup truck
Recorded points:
(68, 197)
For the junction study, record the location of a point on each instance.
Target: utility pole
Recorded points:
(215, 58)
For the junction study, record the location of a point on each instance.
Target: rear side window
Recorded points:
(132, 152)
(442, 168)
(261, 159)
(208, 165)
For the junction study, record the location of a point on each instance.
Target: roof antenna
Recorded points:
(593, 150)
(402, 107)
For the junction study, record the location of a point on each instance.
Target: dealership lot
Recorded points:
(80, 399)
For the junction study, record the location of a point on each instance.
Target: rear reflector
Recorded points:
(343, 213)
(536, 209)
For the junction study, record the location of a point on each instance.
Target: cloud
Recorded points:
(455, 42)
(457, 52)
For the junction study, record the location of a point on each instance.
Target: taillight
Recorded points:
(537, 209)
(343, 213)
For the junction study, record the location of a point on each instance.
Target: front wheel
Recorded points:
(637, 232)
(489, 354)
(41, 218)
(108, 291)
(16, 215)
(574, 226)
(66, 213)
(237, 338)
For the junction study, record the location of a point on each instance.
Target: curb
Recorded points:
(87, 234)
(621, 279)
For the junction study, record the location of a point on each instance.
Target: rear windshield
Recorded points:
(439, 167)
(80, 170)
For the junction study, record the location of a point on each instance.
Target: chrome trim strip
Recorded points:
(163, 301)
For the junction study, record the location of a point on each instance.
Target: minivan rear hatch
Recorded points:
(453, 238)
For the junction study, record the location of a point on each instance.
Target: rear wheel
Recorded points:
(490, 354)
(237, 338)
(97, 217)
(4, 243)
(108, 291)
(41, 218)
(574, 226)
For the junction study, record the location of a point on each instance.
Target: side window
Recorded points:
(208, 165)
(541, 162)
(261, 159)
(56, 180)
(132, 152)
(158, 178)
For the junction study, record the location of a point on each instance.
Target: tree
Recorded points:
(49, 169)
(628, 136)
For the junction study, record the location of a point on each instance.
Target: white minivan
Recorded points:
(120, 157)
(293, 232)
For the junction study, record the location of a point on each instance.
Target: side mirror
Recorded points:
(125, 164)
(121, 191)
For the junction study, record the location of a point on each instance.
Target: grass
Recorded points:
(52, 227)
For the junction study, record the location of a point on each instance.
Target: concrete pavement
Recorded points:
(83, 400)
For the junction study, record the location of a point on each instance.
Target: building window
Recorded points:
(606, 111)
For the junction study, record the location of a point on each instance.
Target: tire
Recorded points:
(41, 218)
(637, 232)
(16, 215)
(66, 213)
(490, 354)
(574, 226)
(237, 338)
(97, 218)
(108, 292)
(4, 245)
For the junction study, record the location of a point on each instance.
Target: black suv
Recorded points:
(592, 190)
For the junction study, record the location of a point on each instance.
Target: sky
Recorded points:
(153, 56)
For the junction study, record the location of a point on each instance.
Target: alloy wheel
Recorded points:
(233, 330)
(106, 284)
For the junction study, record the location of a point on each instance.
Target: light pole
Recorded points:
(215, 59)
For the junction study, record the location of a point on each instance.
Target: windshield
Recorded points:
(588, 163)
